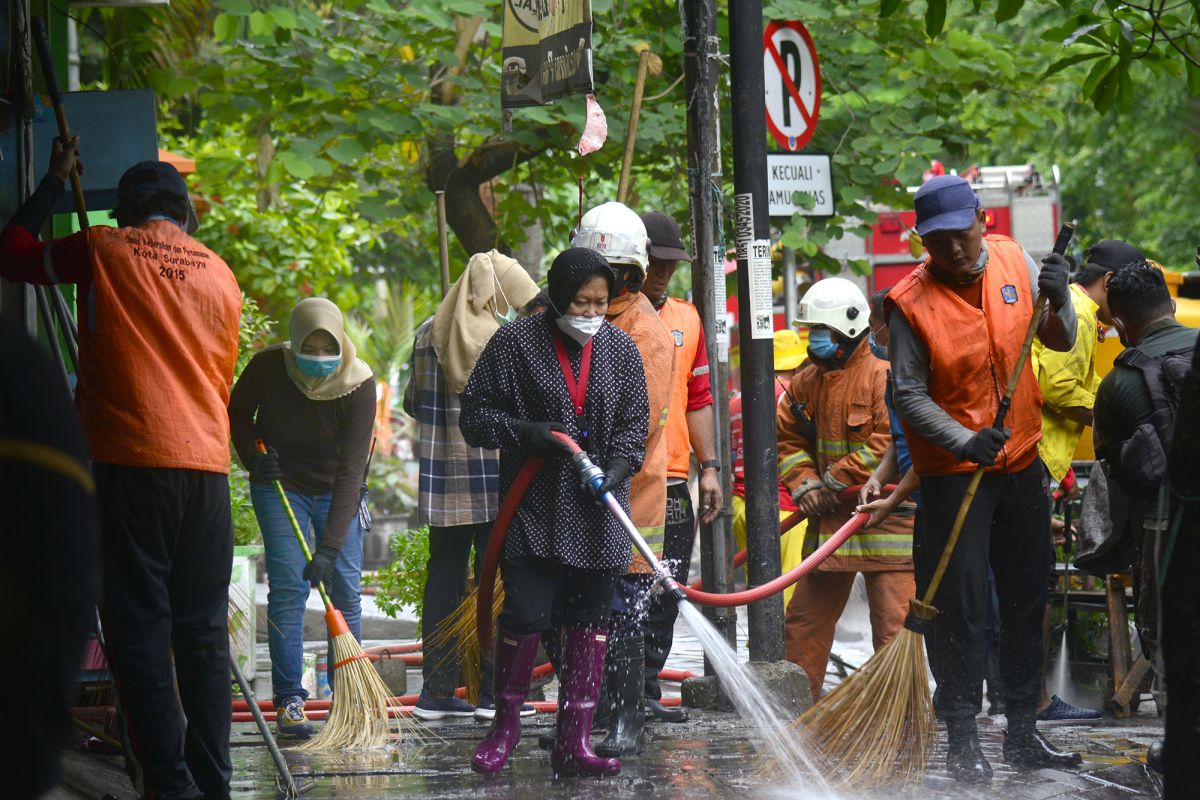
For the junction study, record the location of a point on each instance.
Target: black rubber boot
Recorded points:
(1025, 748)
(658, 638)
(1154, 757)
(624, 675)
(964, 756)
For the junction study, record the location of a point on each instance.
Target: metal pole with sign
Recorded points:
(700, 49)
(755, 326)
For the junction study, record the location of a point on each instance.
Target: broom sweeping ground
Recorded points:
(358, 716)
(458, 635)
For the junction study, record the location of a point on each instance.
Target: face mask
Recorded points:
(972, 277)
(507, 316)
(579, 327)
(318, 366)
(821, 345)
(879, 350)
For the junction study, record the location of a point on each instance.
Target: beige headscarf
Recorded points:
(491, 284)
(319, 314)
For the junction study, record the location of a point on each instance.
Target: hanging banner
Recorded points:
(547, 51)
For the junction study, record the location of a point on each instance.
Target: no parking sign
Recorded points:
(793, 83)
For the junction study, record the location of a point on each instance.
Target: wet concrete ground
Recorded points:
(712, 756)
(708, 757)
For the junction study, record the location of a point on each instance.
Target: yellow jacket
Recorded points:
(1067, 380)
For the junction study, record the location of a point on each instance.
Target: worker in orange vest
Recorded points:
(689, 429)
(619, 235)
(957, 324)
(158, 342)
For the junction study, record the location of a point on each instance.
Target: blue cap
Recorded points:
(946, 203)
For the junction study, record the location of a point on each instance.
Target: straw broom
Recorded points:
(458, 633)
(877, 726)
(358, 716)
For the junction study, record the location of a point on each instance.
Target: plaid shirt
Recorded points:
(459, 484)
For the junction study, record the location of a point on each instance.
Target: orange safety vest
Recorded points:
(157, 349)
(683, 322)
(972, 352)
(634, 314)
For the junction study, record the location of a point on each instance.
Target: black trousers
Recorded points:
(1008, 528)
(167, 552)
(540, 594)
(445, 587)
(677, 557)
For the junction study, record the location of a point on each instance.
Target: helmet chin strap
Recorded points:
(625, 282)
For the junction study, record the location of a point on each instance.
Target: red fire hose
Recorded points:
(516, 493)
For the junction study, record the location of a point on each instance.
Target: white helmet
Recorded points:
(836, 303)
(616, 232)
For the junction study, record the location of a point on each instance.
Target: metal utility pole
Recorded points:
(755, 326)
(700, 50)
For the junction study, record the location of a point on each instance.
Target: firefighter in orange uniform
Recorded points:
(831, 436)
(689, 429)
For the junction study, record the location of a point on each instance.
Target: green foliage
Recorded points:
(245, 524)
(895, 97)
(401, 583)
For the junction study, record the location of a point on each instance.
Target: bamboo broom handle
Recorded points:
(287, 507)
(1060, 246)
(41, 40)
(635, 111)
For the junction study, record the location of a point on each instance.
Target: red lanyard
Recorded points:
(577, 389)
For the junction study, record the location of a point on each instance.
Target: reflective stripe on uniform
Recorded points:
(789, 463)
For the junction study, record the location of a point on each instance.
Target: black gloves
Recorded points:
(616, 471)
(1052, 280)
(983, 447)
(536, 437)
(320, 569)
(264, 467)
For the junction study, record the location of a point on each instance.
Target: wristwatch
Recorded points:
(713, 464)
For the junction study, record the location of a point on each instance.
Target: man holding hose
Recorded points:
(957, 324)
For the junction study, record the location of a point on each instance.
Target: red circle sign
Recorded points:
(793, 83)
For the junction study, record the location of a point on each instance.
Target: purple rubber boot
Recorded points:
(511, 681)
(583, 670)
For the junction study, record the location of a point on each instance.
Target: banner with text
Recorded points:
(547, 51)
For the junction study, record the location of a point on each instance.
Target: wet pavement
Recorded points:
(712, 756)
(715, 755)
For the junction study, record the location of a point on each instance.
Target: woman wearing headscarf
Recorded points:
(564, 370)
(312, 401)
(458, 484)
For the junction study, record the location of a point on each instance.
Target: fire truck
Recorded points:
(1017, 201)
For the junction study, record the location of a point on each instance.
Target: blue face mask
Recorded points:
(821, 344)
(318, 366)
(879, 350)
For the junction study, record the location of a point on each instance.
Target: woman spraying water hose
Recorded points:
(564, 370)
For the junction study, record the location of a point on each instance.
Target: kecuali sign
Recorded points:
(789, 173)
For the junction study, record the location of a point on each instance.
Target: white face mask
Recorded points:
(579, 327)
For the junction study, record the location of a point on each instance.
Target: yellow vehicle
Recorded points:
(1187, 311)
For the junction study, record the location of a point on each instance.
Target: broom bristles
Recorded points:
(358, 716)
(877, 727)
(458, 635)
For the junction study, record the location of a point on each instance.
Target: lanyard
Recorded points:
(577, 389)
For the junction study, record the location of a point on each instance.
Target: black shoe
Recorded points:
(964, 756)
(1028, 749)
(663, 714)
(1154, 757)
(966, 764)
(624, 675)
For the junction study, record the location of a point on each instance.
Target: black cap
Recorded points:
(151, 177)
(1112, 254)
(666, 240)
